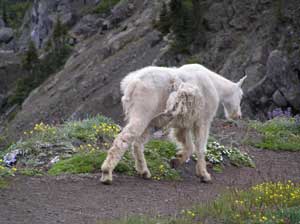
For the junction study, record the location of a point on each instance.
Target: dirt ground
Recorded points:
(82, 199)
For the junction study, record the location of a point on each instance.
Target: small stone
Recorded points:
(6, 34)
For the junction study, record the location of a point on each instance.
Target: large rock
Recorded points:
(87, 26)
(39, 21)
(286, 80)
(6, 35)
(216, 17)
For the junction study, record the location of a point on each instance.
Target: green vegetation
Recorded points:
(105, 6)
(280, 133)
(5, 172)
(30, 172)
(38, 70)
(264, 203)
(49, 140)
(268, 203)
(217, 153)
(184, 18)
(13, 12)
(158, 154)
(80, 163)
(3, 183)
(78, 146)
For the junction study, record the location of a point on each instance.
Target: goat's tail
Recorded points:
(127, 101)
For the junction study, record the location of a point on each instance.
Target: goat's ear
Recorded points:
(240, 83)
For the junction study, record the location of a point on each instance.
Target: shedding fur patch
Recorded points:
(185, 105)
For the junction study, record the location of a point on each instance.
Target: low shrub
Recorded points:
(281, 132)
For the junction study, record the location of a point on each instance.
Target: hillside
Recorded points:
(257, 38)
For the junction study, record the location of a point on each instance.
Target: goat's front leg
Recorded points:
(201, 136)
(183, 137)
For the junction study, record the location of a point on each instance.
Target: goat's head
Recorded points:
(232, 102)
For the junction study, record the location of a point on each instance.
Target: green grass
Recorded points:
(290, 215)
(158, 154)
(105, 6)
(30, 172)
(264, 203)
(3, 183)
(80, 163)
(277, 134)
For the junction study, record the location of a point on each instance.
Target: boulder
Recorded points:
(279, 99)
(216, 17)
(6, 35)
(88, 26)
(286, 80)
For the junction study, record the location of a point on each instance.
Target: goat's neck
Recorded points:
(223, 86)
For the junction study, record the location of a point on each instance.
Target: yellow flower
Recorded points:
(14, 169)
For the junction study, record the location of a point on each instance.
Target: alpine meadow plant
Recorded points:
(269, 202)
(280, 132)
(217, 154)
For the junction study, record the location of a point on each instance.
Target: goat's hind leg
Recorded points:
(114, 155)
(138, 153)
(123, 141)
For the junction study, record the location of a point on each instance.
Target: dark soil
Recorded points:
(78, 199)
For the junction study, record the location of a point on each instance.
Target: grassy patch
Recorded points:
(264, 203)
(30, 172)
(216, 154)
(3, 183)
(44, 142)
(158, 154)
(89, 163)
(80, 163)
(279, 133)
(5, 172)
(105, 6)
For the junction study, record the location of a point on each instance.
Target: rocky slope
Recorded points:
(258, 38)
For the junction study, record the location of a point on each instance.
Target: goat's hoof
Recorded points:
(206, 178)
(106, 179)
(175, 163)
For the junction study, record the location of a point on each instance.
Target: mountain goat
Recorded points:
(186, 98)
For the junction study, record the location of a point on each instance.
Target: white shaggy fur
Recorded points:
(186, 98)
